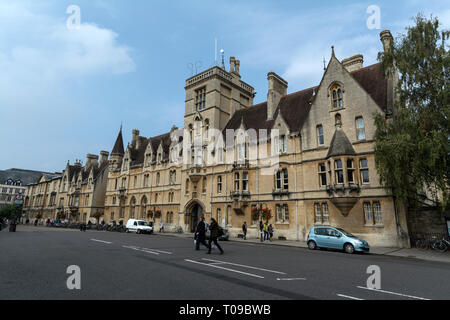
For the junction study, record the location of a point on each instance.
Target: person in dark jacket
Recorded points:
(200, 234)
(261, 230)
(214, 228)
(244, 230)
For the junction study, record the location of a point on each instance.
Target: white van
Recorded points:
(138, 226)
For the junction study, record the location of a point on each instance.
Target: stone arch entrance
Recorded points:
(192, 213)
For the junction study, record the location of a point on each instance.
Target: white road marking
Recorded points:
(348, 297)
(218, 267)
(244, 266)
(290, 279)
(137, 249)
(160, 251)
(393, 293)
(101, 241)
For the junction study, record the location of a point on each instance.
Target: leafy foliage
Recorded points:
(412, 151)
(11, 211)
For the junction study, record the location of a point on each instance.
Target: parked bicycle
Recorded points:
(424, 243)
(179, 230)
(440, 245)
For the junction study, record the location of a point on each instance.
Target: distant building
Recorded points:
(13, 184)
(77, 194)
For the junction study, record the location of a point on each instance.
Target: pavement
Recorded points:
(35, 265)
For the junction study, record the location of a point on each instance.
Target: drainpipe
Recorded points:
(295, 188)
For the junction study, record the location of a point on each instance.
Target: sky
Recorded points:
(64, 91)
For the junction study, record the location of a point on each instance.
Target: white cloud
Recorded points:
(39, 54)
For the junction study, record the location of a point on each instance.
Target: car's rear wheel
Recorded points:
(312, 245)
(349, 248)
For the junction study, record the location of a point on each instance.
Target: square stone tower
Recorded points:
(214, 95)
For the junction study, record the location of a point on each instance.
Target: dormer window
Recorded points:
(200, 99)
(337, 101)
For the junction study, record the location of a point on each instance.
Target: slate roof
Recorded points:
(340, 145)
(373, 81)
(295, 107)
(137, 150)
(25, 176)
(118, 146)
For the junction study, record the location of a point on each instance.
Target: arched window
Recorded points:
(337, 100)
(338, 120)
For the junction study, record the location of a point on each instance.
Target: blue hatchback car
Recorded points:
(335, 238)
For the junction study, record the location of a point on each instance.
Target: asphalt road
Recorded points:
(33, 265)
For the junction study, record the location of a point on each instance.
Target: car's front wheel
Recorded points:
(349, 248)
(312, 245)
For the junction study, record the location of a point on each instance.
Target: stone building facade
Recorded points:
(13, 184)
(315, 151)
(76, 194)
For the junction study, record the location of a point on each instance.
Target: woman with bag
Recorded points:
(215, 233)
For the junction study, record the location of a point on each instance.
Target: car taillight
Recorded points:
(307, 236)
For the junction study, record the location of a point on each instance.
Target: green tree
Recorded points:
(11, 211)
(413, 148)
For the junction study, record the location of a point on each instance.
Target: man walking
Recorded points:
(215, 233)
(200, 234)
(244, 230)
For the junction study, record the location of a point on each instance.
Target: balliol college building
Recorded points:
(298, 160)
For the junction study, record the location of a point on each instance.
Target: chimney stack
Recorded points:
(91, 159)
(277, 89)
(232, 64)
(77, 163)
(386, 39)
(238, 64)
(104, 156)
(135, 135)
(353, 63)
